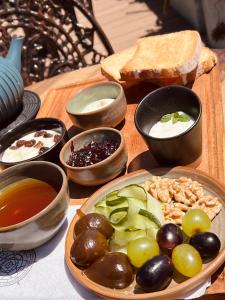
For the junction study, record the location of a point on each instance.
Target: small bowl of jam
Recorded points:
(94, 156)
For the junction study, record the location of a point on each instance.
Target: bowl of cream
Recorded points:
(39, 139)
(169, 120)
(99, 105)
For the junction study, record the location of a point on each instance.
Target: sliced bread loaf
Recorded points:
(164, 56)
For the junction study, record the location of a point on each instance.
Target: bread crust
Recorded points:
(110, 66)
(179, 80)
(207, 61)
(163, 57)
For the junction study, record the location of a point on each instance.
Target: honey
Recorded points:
(21, 200)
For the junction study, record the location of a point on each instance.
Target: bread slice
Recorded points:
(111, 66)
(164, 56)
(207, 61)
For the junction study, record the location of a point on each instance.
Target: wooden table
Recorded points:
(93, 73)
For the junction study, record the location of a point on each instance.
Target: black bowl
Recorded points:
(52, 154)
(184, 148)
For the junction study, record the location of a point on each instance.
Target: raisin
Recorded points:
(57, 138)
(13, 147)
(43, 150)
(20, 143)
(39, 133)
(29, 143)
(47, 135)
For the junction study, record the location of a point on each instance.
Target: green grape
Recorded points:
(141, 250)
(186, 260)
(195, 221)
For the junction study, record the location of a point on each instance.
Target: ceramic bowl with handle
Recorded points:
(38, 229)
(89, 108)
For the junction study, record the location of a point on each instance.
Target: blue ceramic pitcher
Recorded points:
(11, 82)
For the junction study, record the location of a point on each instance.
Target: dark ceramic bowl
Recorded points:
(41, 227)
(102, 171)
(52, 154)
(184, 148)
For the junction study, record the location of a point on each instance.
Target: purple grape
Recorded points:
(168, 237)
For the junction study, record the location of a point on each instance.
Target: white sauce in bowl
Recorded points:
(170, 129)
(95, 105)
(15, 153)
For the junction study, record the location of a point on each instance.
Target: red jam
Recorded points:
(93, 153)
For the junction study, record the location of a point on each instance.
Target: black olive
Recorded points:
(155, 274)
(206, 243)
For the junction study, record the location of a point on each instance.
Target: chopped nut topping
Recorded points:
(180, 195)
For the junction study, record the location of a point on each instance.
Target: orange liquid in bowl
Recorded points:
(22, 200)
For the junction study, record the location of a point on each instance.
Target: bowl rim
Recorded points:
(145, 99)
(49, 206)
(102, 162)
(102, 109)
(23, 125)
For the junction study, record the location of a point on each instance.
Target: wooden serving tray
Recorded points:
(208, 89)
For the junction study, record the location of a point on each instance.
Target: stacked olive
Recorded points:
(90, 251)
(155, 271)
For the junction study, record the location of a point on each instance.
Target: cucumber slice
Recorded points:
(154, 206)
(116, 248)
(151, 232)
(122, 238)
(133, 191)
(101, 203)
(150, 216)
(133, 220)
(133, 213)
(118, 215)
(115, 201)
(112, 195)
(103, 210)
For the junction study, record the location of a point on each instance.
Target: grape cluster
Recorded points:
(155, 270)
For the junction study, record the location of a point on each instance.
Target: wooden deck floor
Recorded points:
(124, 21)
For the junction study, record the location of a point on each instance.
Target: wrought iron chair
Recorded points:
(60, 35)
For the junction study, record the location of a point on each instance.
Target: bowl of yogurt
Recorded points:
(169, 120)
(39, 139)
(99, 105)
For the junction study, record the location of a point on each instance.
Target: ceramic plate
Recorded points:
(174, 290)
(31, 104)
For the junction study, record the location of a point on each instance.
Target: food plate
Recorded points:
(175, 289)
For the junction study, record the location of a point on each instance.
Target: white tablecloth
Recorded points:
(42, 273)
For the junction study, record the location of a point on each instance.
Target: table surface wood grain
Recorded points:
(92, 75)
